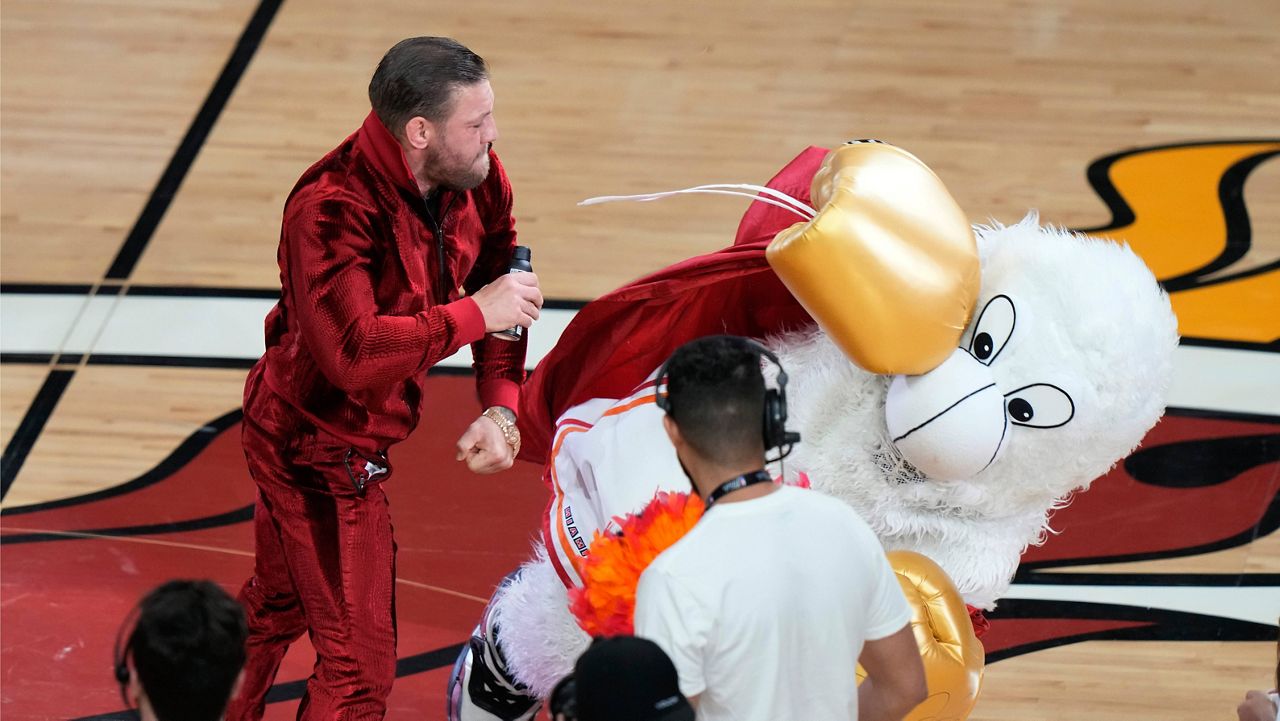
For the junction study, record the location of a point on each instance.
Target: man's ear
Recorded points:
(134, 688)
(673, 431)
(419, 132)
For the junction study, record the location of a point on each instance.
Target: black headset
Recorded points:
(775, 430)
(121, 650)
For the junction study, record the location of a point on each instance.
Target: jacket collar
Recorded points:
(385, 153)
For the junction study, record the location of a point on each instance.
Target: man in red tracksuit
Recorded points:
(393, 255)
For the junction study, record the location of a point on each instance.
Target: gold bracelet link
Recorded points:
(510, 432)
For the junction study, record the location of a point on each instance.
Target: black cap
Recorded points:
(625, 678)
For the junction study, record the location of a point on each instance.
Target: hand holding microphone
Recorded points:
(511, 303)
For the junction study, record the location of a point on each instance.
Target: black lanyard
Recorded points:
(733, 484)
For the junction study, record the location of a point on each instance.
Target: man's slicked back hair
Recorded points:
(419, 77)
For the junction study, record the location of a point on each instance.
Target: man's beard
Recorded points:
(454, 174)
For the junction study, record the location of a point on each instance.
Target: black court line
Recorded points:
(1156, 625)
(46, 288)
(167, 361)
(1199, 282)
(175, 461)
(407, 666)
(27, 358)
(293, 690)
(180, 164)
(228, 518)
(170, 361)
(1230, 200)
(15, 452)
(1199, 580)
(1269, 523)
(563, 304)
(1272, 347)
(1098, 174)
(1239, 230)
(192, 291)
(181, 456)
(1222, 415)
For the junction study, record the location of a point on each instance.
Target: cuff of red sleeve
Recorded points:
(468, 319)
(499, 392)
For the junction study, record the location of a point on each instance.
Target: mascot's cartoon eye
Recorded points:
(993, 329)
(1020, 410)
(1039, 405)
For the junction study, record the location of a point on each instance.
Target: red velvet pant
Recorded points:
(325, 565)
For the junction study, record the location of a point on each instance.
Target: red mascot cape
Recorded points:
(617, 340)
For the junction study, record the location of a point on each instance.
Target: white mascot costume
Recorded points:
(977, 422)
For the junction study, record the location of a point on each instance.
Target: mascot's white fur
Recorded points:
(1063, 370)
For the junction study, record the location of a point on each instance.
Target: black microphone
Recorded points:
(519, 264)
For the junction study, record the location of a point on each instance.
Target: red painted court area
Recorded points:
(65, 596)
(73, 569)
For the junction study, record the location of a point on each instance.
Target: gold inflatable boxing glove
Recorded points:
(889, 266)
(953, 657)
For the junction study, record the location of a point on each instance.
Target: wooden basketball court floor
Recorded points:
(147, 147)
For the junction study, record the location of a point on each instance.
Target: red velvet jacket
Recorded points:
(365, 307)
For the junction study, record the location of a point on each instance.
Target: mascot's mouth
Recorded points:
(896, 469)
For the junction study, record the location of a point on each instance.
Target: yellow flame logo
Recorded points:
(1181, 208)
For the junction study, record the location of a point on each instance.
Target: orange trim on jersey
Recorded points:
(618, 410)
(571, 551)
(562, 537)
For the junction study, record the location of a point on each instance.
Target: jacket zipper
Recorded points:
(439, 230)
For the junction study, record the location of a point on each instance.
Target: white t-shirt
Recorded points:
(765, 604)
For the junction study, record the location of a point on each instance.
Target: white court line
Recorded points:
(185, 327)
(90, 323)
(1211, 379)
(1257, 604)
(37, 323)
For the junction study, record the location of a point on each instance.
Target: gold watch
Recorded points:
(507, 424)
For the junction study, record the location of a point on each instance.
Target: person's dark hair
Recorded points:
(418, 77)
(715, 393)
(188, 647)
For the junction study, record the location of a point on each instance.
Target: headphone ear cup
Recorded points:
(122, 675)
(121, 658)
(122, 648)
(660, 398)
(774, 419)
